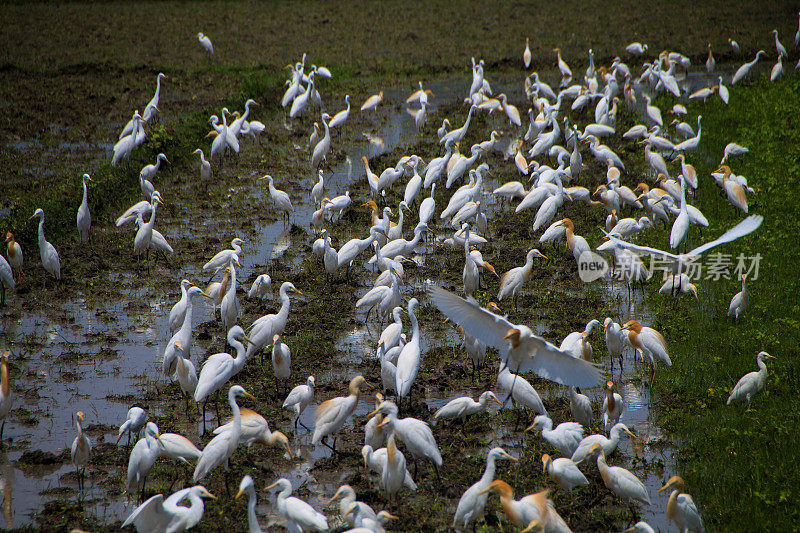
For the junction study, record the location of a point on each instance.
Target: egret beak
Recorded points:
(631, 433)
(249, 395)
(206, 493)
(485, 491)
(501, 405)
(373, 413)
(771, 356)
(491, 268)
(245, 337)
(529, 428)
(272, 486)
(241, 491)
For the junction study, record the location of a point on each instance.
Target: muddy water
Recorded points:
(99, 359)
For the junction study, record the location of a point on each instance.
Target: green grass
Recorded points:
(741, 466)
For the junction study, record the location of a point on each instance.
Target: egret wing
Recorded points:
(642, 249)
(481, 323)
(150, 516)
(745, 227)
(552, 363)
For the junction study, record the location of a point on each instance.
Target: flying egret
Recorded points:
(47, 252)
(332, 414)
(220, 449)
(521, 350)
(740, 301)
(751, 383)
(473, 502)
(681, 508)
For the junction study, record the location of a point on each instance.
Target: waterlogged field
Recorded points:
(73, 74)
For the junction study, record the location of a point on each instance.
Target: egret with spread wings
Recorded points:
(520, 349)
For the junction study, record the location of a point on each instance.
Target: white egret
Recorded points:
(182, 336)
(461, 408)
(247, 486)
(323, 146)
(612, 332)
(81, 446)
(299, 398)
(220, 449)
(618, 480)
(563, 472)
(264, 328)
(473, 502)
(280, 199)
(408, 361)
(609, 444)
(260, 287)
(565, 437)
(84, 218)
(526, 59)
(229, 305)
(636, 48)
(144, 235)
(206, 43)
(394, 472)
(221, 367)
(223, 258)
(255, 429)
(178, 447)
(6, 279)
(416, 435)
(47, 252)
(744, 70)
(142, 458)
(126, 144)
(134, 422)
(376, 460)
(205, 167)
(159, 514)
(677, 285)
(281, 360)
(612, 406)
(348, 499)
(751, 383)
(681, 508)
(332, 414)
(178, 311)
(299, 515)
(455, 136)
(580, 407)
(340, 117)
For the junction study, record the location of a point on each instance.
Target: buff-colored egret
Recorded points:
(416, 435)
(563, 472)
(47, 252)
(222, 447)
(520, 512)
(281, 360)
(141, 460)
(740, 301)
(6, 396)
(473, 502)
(565, 437)
(14, 251)
(612, 406)
(280, 199)
(340, 117)
(183, 335)
(376, 460)
(618, 480)
(395, 470)
(84, 217)
(299, 398)
(681, 508)
(160, 514)
(265, 327)
(371, 103)
(135, 420)
(299, 515)
(751, 383)
(255, 429)
(744, 70)
(649, 342)
(461, 408)
(332, 414)
(206, 43)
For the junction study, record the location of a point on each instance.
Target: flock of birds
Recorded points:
(390, 441)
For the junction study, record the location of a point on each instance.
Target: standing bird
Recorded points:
(6, 279)
(323, 146)
(14, 251)
(618, 480)
(280, 199)
(281, 360)
(206, 43)
(182, 336)
(340, 117)
(229, 306)
(299, 515)
(612, 406)
(609, 444)
(221, 448)
(146, 175)
(649, 342)
(409, 359)
(580, 407)
(681, 508)
(740, 301)
(84, 218)
(472, 503)
(299, 398)
(6, 397)
(178, 311)
(372, 102)
(260, 287)
(514, 279)
(751, 383)
(247, 485)
(565, 437)
(47, 252)
(332, 414)
(394, 472)
(134, 422)
(526, 55)
(142, 458)
(461, 408)
(205, 167)
(563, 472)
(416, 435)
(745, 69)
(779, 47)
(613, 337)
(255, 430)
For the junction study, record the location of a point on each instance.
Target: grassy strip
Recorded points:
(740, 465)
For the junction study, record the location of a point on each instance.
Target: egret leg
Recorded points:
(216, 405)
(438, 479)
(2, 427)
